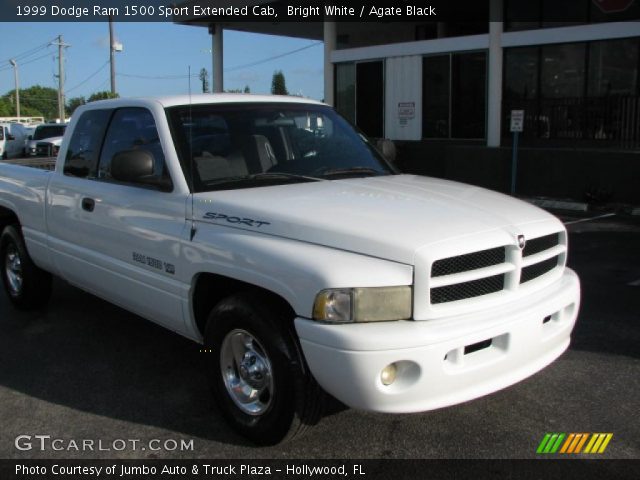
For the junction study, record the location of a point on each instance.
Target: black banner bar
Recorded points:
(229, 11)
(321, 469)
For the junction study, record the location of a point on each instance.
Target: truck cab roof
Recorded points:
(206, 98)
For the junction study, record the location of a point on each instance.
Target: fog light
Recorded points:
(388, 374)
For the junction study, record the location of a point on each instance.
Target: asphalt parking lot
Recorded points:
(85, 369)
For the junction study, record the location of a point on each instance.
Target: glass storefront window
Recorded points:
(521, 69)
(370, 98)
(588, 92)
(435, 96)
(454, 96)
(468, 95)
(562, 70)
(346, 90)
(565, 12)
(613, 68)
(533, 14)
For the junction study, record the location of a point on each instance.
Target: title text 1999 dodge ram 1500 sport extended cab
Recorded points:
(273, 232)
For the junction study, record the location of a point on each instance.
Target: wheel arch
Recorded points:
(210, 288)
(7, 217)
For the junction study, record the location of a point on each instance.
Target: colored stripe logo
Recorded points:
(574, 443)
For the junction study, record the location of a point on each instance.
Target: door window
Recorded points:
(84, 147)
(132, 129)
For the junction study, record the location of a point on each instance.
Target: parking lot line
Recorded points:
(590, 219)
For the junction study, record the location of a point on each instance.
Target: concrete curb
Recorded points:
(559, 204)
(570, 205)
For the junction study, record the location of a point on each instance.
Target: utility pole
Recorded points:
(61, 46)
(15, 76)
(112, 56)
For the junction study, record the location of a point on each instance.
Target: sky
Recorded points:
(154, 49)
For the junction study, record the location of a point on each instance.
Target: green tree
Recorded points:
(34, 101)
(104, 95)
(247, 89)
(6, 109)
(278, 84)
(74, 103)
(204, 78)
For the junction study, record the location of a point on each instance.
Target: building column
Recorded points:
(494, 94)
(330, 40)
(217, 49)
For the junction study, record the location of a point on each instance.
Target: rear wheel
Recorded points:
(27, 286)
(260, 380)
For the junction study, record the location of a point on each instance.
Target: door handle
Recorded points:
(88, 204)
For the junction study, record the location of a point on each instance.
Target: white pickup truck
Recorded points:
(271, 231)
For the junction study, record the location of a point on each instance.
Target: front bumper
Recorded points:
(442, 362)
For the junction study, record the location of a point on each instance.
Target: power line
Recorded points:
(156, 77)
(259, 62)
(48, 54)
(28, 53)
(103, 85)
(89, 77)
(26, 63)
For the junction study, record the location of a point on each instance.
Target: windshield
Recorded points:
(253, 145)
(49, 131)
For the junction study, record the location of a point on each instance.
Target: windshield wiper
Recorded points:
(334, 172)
(286, 175)
(262, 175)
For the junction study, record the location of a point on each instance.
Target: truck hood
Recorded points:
(387, 217)
(52, 140)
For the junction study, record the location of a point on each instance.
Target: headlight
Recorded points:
(376, 304)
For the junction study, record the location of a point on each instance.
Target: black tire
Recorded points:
(293, 401)
(30, 287)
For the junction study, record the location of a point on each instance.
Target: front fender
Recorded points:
(295, 270)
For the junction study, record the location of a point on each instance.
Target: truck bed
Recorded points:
(43, 163)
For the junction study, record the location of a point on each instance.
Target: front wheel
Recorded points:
(27, 286)
(260, 381)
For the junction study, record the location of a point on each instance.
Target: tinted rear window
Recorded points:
(49, 131)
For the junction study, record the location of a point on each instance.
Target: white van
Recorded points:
(12, 136)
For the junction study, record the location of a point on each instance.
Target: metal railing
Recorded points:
(592, 121)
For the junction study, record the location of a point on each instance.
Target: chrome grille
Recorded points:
(474, 288)
(538, 269)
(503, 268)
(467, 262)
(44, 149)
(540, 244)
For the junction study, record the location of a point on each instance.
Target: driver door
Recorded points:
(121, 240)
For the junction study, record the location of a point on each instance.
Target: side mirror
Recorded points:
(131, 165)
(388, 149)
(30, 137)
(136, 166)
(10, 136)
